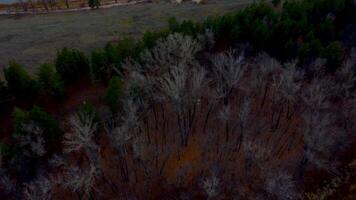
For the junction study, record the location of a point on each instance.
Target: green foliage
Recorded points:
(100, 66)
(36, 115)
(2, 84)
(221, 26)
(94, 3)
(187, 27)
(19, 117)
(5, 149)
(173, 24)
(334, 53)
(71, 64)
(276, 2)
(114, 94)
(149, 38)
(323, 7)
(50, 81)
(325, 30)
(46, 121)
(88, 109)
(19, 81)
(123, 49)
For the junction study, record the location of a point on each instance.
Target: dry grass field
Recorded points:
(32, 40)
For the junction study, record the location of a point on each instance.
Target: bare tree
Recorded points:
(40, 189)
(229, 70)
(81, 136)
(173, 86)
(56, 161)
(321, 139)
(345, 79)
(225, 116)
(82, 181)
(316, 95)
(83, 128)
(211, 186)
(207, 39)
(243, 115)
(174, 50)
(7, 184)
(262, 75)
(280, 185)
(255, 155)
(32, 139)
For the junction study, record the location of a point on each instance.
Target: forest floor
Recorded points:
(35, 39)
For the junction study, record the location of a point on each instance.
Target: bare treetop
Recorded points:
(83, 128)
(40, 189)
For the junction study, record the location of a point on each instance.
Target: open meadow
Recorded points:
(35, 39)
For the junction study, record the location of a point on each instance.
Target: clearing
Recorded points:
(35, 39)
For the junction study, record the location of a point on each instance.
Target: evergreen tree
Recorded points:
(94, 3)
(19, 82)
(334, 54)
(113, 94)
(71, 64)
(50, 81)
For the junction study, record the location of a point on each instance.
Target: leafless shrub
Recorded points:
(137, 88)
(287, 85)
(225, 113)
(266, 65)
(255, 154)
(40, 189)
(32, 138)
(329, 189)
(198, 83)
(81, 181)
(207, 39)
(279, 184)
(125, 130)
(211, 186)
(7, 184)
(261, 76)
(121, 137)
(244, 112)
(56, 161)
(345, 79)
(321, 138)
(316, 95)
(138, 147)
(242, 120)
(318, 68)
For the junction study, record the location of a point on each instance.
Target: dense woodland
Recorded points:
(256, 104)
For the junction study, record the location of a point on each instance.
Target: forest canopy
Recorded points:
(254, 104)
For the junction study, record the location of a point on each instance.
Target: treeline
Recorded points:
(303, 30)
